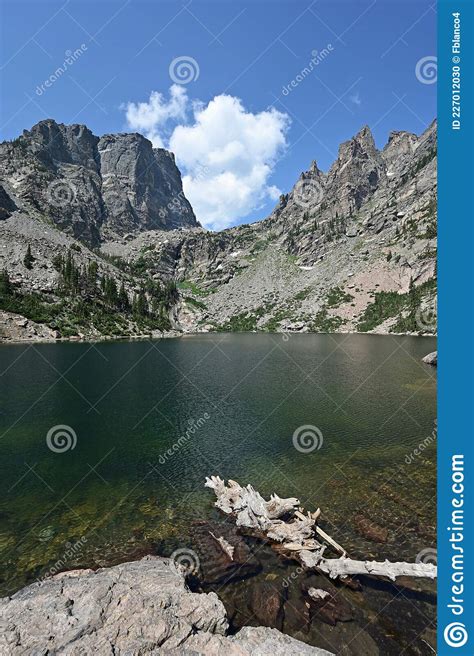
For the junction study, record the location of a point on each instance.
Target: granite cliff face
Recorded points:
(93, 188)
(350, 249)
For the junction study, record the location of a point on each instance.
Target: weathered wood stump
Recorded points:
(282, 522)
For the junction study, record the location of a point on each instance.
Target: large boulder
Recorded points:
(134, 608)
(431, 358)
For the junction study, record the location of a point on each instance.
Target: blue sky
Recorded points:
(249, 51)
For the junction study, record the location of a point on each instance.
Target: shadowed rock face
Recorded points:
(134, 608)
(94, 188)
(141, 186)
(7, 206)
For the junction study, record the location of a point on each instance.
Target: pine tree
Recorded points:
(110, 291)
(58, 262)
(141, 304)
(6, 287)
(68, 269)
(91, 277)
(28, 259)
(123, 302)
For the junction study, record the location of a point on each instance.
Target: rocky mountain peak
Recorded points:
(361, 146)
(365, 137)
(399, 150)
(54, 143)
(314, 167)
(357, 172)
(94, 188)
(141, 186)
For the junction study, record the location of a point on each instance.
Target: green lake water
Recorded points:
(119, 494)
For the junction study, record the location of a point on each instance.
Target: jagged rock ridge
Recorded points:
(350, 249)
(334, 247)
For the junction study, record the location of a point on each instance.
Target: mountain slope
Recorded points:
(350, 249)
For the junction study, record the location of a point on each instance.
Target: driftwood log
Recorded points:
(283, 522)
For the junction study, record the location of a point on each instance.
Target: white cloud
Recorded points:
(226, 153)
(149, 117)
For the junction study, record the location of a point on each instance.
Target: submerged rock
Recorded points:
(266, 604)
(216, 565)
(370, 530)
(326, 601)
(134, 608)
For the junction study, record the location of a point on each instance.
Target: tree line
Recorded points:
(149, 298)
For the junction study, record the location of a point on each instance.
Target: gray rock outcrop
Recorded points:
(93, 187)
(141, 607)
(16, 328)
(431, 358)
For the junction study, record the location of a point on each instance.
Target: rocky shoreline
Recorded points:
(16, 329)
(134, 608)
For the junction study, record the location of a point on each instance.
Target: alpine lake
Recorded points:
(145, 423)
